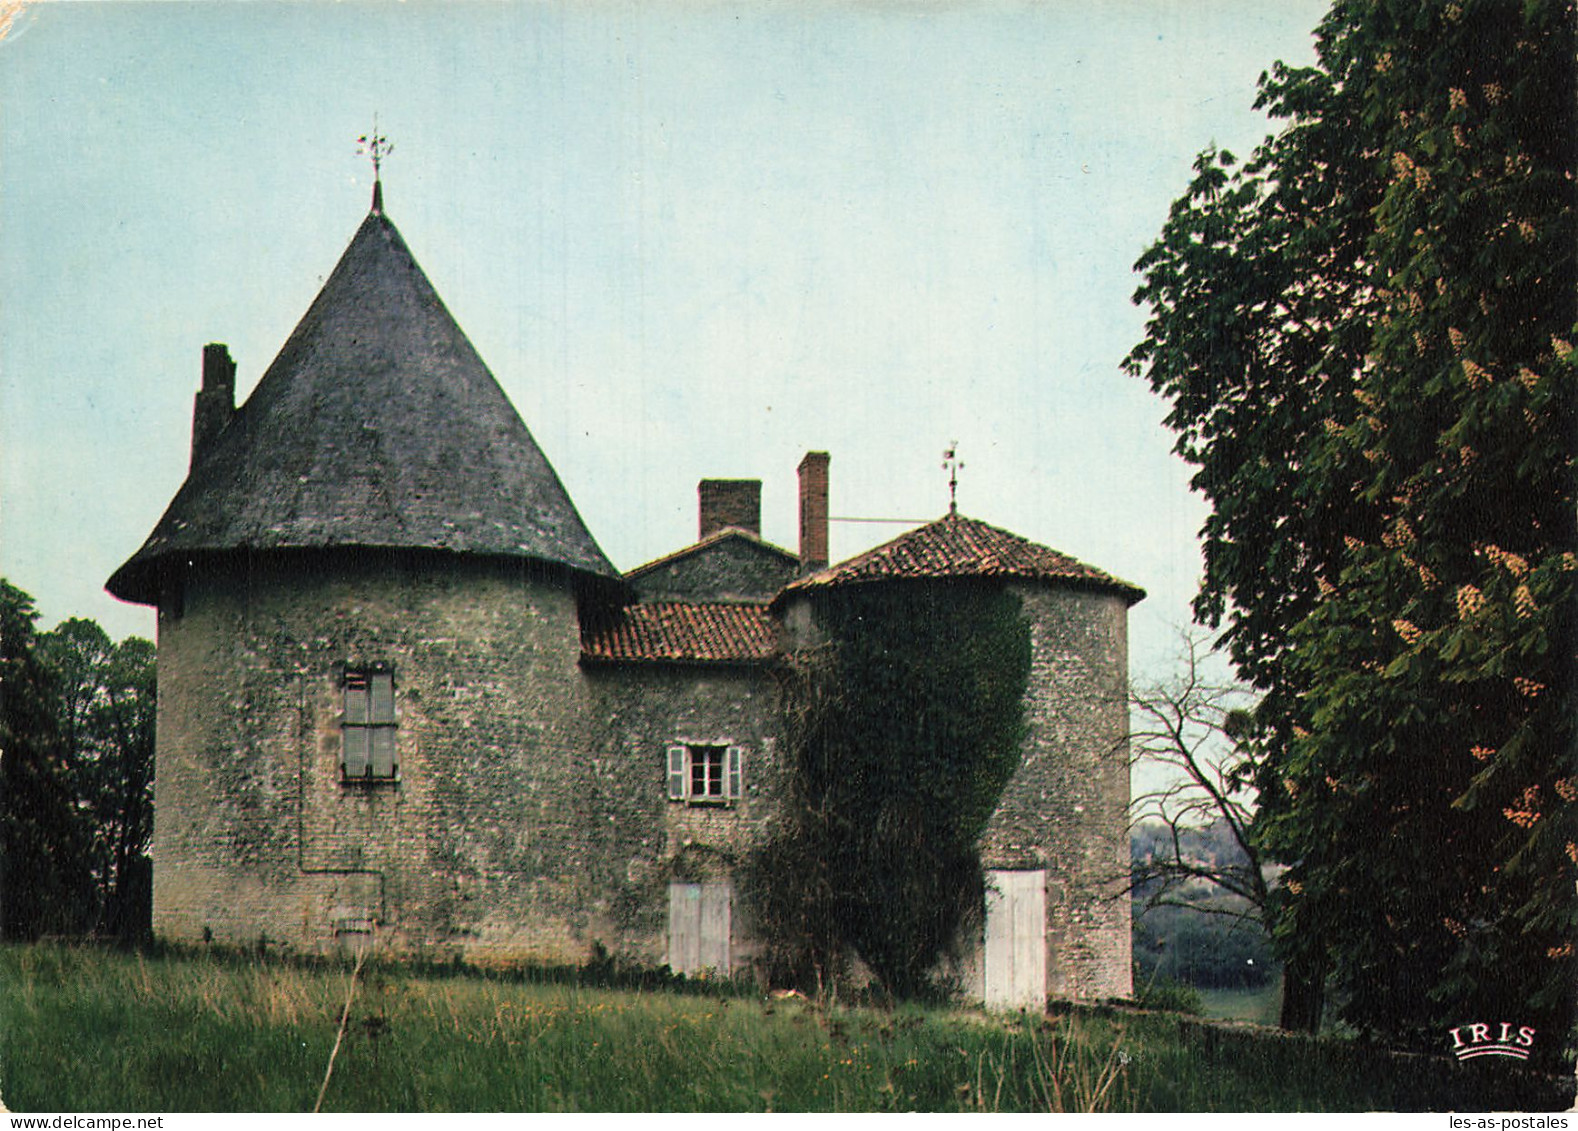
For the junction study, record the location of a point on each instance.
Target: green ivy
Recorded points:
(902, 729)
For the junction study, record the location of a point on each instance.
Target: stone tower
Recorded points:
(368, 594)
(1056, 852)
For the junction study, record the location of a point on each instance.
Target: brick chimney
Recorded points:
(216, 400)
(729, 502)
(813, 512)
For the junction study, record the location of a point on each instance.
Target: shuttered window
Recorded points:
(705, 774)
(678, 759)
(368, 725)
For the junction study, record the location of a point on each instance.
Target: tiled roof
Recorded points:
(672, 632)
(955, 546)
(378, 425)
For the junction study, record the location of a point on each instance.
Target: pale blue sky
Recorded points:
(690, 239)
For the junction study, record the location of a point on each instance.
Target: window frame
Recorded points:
(682, 772)
(369, 713)
(706, 773)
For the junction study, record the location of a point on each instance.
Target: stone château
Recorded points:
(403, 693)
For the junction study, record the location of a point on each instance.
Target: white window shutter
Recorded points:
(676, 773)
(736, 771)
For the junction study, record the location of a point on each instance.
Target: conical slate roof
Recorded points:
(956, 546)
(378, 425)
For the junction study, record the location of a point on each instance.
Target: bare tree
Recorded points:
(1191, 736)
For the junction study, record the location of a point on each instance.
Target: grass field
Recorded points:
(1259, 1006)
(91, 1030)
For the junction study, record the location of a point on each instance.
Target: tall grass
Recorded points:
(94, 1030)
(89, 1030)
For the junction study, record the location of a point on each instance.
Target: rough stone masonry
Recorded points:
(405, 699)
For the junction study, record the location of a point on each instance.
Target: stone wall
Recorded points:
(478, 848)
(1066, 810)
(734, 568)
(530, 817)
(530, 820)
(643, 709)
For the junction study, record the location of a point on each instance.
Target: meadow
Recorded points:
(1257, 1004)
(87, 1029)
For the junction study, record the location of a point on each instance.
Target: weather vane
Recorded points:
(376, 146)
(952, 464)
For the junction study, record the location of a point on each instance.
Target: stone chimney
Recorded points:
(216, 400)
(813, 512)
(730, 502)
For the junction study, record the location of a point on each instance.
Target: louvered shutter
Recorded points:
(383, 751)
(736, 771)
(676, 773)
(381, 709)
(381, 717)
(356, 699)
(358, 754)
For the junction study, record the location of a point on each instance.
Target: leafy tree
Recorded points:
(106, 712)
(45, 885)
(1365, 336)
(902, 731)
(76, 766)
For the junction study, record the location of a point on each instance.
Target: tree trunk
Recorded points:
(1303, 989)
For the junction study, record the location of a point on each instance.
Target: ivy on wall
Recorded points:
(901, 728)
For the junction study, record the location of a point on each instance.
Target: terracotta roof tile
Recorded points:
(955, 546)
(673, 632)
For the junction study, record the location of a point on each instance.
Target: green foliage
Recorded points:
(1188, 927)
(1165, 995)
(902, 731)
(44, 880)
(1365, 336)
(1257, 1005)
(107, 711)
(77, 812)
(91, 1030)
(1214, 946)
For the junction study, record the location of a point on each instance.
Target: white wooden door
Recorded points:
(698, 927)
(1016, 940)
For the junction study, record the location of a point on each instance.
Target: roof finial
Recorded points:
(952, 463)
(376, 146)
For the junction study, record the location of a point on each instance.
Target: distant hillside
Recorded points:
(1213, 942)
(1211, 845)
